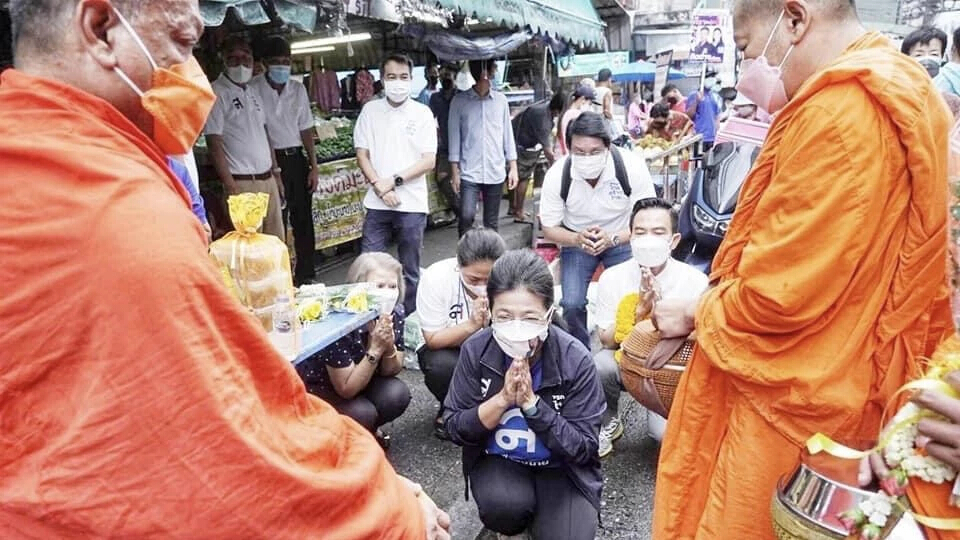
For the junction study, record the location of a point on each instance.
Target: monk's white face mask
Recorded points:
(761, 82)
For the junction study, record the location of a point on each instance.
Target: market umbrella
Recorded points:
(642, 72)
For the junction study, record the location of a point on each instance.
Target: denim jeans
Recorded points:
(576, 269)
(470, 195)
(380, 227)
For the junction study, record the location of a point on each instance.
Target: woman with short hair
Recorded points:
(358, 373)
(525, 404)
(452, 306)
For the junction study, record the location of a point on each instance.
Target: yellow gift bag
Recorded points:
(256, 267)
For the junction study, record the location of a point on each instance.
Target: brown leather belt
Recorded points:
(264, 176)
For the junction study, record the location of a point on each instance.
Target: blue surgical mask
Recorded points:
(279, 74)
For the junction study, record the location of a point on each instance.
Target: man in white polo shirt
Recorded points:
(652, 272)
(291, 133)
(396, 141)
(237, 135)
(585, 208)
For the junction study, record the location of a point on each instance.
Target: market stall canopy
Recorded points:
(570, 20)
(642, 72)
(300, 14)
(448, 46)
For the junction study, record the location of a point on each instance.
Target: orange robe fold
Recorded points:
(137, 398)
(830, 285)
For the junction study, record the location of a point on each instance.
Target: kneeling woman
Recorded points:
(452, 305)
(525, 403)
(357, 374)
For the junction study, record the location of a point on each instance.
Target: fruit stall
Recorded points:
(670, 164)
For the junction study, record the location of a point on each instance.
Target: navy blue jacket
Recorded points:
(569, 412)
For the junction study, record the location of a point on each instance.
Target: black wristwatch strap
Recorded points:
(371, 358)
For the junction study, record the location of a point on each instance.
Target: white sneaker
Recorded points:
(609, 433)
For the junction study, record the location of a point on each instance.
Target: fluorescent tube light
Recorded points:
(351, 38)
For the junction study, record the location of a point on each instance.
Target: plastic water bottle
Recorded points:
(284, 335)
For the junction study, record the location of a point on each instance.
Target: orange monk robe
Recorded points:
(137, 398)
(829, 285)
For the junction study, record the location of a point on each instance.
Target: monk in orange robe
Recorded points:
(138, 399)
(831, 282)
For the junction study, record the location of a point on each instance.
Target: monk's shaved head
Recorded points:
(798, 36)
(38, 25)
(762, 8)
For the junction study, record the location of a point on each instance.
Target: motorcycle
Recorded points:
(708, 208)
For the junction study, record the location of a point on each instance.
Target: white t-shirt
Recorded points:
(442, 300)
(678, 280)
(604, 205)
(238, 116)
(397, 137)
(287, 113)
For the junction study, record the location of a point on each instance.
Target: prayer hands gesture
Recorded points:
(480, 315)
(517, 385)
(381, 337)
(649, 295)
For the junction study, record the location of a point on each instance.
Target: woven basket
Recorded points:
(637, 348)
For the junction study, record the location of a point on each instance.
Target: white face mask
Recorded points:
(397, 91)
(386, 299)
(515, 337)
(589, 167)
(240, 74)
(650, 251)
(476, 290)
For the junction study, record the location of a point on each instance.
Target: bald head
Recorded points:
(85, 44)
(38, 25)
(800, 36)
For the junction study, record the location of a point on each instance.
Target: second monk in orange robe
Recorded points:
(831, 282)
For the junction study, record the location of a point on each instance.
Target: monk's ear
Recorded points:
(796, 15)
(96, 26)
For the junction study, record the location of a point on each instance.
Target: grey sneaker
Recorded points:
(609, 433)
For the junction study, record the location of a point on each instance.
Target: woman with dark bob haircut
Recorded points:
(525, 404)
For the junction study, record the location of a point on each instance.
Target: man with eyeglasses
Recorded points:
(396, 141)
(585, 208)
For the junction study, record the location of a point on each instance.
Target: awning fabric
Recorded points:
(448, 47)
(300, 14)
(572, 20)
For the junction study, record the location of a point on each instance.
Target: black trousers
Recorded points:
(513, 498)
(470, 195)
(383, 400)
(296, 183)
(437, 366)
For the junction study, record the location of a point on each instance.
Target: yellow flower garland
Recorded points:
(625, 320)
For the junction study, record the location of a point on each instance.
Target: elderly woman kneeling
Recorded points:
(526, 403)
(357, 374)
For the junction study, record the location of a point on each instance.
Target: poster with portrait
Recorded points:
(711, 37)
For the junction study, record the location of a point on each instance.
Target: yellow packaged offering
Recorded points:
(255, 267)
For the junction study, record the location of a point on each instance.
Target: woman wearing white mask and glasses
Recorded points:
(452, 306)
(357, 374)
(525, 404)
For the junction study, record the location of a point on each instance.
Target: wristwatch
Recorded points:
(397, 180)
(371, 358)
(615, 240)
(532, 410)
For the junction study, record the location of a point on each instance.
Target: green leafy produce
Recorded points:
(336, 147)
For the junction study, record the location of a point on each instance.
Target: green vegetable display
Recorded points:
(338, 147)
